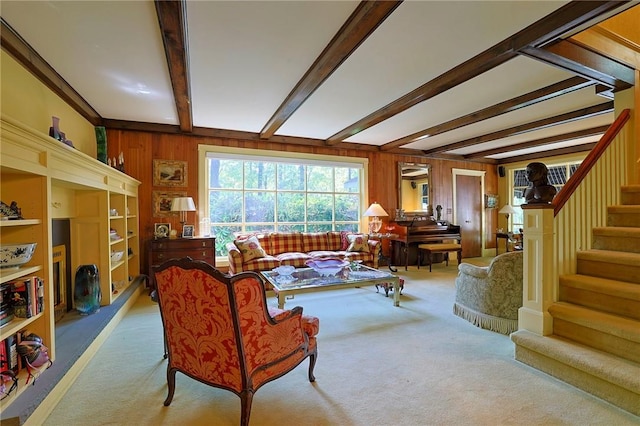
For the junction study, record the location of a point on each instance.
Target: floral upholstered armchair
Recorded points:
(489, 297)
(220, 331)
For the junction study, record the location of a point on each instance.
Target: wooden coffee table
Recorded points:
(306, 280)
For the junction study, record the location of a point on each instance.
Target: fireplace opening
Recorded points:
(61, 267)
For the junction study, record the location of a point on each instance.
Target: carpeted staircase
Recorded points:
(595, 344)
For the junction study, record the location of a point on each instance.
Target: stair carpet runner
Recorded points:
(595, 344)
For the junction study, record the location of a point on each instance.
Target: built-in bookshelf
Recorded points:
(51, 180)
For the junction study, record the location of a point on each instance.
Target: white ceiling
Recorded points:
(246, 56)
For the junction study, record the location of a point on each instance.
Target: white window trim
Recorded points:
(281, 156)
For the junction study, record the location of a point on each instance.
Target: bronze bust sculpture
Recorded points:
(539, 191)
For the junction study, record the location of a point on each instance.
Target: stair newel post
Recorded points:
(539, 270)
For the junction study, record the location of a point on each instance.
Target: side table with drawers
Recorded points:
(162, 249)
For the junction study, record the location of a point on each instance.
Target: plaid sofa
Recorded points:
(295, 248)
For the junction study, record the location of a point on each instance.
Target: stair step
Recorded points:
(630, 194)
(616, 265)
(614, 334)
(606, 376)
(618, 238)
(623, 215)
(614, 297)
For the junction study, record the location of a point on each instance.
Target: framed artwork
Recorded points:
(490, 201)
(169, 173)
(161, 230)
(187, 231)
(162, 202)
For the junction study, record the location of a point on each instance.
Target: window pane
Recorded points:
(265, 229)
(291, 227)
(347, 179)
(259, 175)
(319, 227)
(347, 208)
(225, 174)
(259, 206)
(291, 177)
(347, 227)
(224, 235)
(319, 208)
(290, 207)
(320, 179)
(225, 206)
(558, 175)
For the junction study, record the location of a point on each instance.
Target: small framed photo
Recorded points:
(169, 173)
(162, 230)
(490, 201)
(187, 231)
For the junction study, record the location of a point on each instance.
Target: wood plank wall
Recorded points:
(141, 148)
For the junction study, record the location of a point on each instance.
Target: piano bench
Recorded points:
(439, 248)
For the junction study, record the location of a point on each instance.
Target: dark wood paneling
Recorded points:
(141, 148)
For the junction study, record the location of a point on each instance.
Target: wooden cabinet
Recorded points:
(50, 180)
(163, 249)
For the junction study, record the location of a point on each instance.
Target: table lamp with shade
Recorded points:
(374, 211)
(183, 205)
(507, 210)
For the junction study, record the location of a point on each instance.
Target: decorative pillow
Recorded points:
(358, 242)
(250, 248)
(344, 240)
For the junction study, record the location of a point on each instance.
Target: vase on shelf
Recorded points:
(101, 141)
(87, 293)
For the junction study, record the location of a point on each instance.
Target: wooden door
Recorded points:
(469, 214)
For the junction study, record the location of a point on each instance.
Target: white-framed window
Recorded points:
(264, 191)
(558, 176)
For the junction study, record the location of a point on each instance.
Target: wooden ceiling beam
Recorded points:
(360, 25)
(580, 114)
(566, 18)
(172, 18)
(17, 47)
(510, 105)
(587, 63)
(540, 142)
(551, 153)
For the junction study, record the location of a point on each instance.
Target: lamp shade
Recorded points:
(507, 209)
(183, 204)
(375, 209)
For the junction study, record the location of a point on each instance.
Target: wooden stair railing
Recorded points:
(590, 160)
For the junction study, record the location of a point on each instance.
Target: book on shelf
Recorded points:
(27, 295)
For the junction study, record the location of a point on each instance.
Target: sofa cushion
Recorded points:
(314, 241)
(295, 259)
(250, 248)
(266, 263)
(344, 241)
(285, 242)
(358, 242)
(334, 240)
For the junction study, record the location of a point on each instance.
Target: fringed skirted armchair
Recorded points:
(489, 297)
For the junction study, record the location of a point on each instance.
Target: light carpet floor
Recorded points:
(377, 365)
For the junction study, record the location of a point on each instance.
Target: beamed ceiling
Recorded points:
(485, 81)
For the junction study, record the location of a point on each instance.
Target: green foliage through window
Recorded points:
(255, 195)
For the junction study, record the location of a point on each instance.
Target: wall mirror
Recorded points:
(414, 189)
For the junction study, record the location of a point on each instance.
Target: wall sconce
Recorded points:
(374, 211)
(183, 205)
(507, 210)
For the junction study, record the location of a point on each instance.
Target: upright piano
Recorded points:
(419, 230)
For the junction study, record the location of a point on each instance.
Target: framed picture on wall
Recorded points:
(169, 173)
(162, 202)
(490, 201)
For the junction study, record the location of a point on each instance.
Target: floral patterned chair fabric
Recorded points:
(489, 297)
(218, 330)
